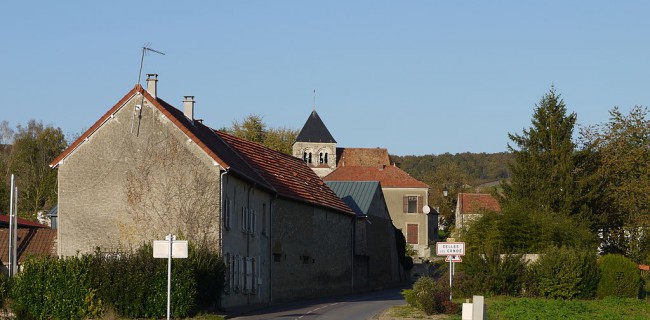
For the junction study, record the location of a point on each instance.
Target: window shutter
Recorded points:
(405, 201)
(412, 233)
(420, 204)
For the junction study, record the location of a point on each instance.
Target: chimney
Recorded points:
(188, 106)
(152, 84)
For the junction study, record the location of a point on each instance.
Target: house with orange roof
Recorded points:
(406, 197)
(471, 206)
(146, 169)
(32, 239)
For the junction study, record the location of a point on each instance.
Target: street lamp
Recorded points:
(445, 192)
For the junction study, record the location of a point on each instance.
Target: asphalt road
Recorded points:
(357, 306)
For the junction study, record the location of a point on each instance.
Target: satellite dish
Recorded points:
(426, 209)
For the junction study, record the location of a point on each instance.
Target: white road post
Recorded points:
(171, 239)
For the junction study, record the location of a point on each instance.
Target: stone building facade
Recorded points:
(146, 169)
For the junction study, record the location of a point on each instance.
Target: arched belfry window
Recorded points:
(309, 160)
(325, 157)
(304, 156)
(320, 158)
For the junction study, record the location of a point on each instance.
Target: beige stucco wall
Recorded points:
(313, 248)
(394, 201)
(135, 180)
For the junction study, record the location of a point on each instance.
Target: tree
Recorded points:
(543, 170)
(33, 148)
(253, 128)
(621, 149)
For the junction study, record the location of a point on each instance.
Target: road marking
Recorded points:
(314, 310)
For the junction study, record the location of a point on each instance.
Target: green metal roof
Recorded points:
(357, 195)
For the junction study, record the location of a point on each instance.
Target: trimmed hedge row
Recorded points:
(559, 273)
(133, 284)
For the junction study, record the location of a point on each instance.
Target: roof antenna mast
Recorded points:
(313, 107)
(146, 49)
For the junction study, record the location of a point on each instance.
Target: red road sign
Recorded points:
(453, 259)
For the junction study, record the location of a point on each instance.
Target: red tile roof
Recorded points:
(470, 203)
(31, 241)
(362, 157)
(289, 176)
(4, 222)
(389, 176)
(279, 173)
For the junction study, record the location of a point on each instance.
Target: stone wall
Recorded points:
(311, 251)
(134, 180)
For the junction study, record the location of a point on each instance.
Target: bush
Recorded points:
(490, 274)
(428, 295)
(620, 277)
(564, 273)
(55, 288)
(131, 284)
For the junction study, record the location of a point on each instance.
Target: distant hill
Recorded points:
(471, 169)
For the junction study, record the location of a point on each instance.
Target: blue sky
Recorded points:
(416, 77)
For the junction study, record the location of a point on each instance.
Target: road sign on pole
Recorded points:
(450, 248)
(453, 259)
(169, 248)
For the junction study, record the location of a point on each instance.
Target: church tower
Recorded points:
(316, 146)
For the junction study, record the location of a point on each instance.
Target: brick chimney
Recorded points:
(188, 107)
(152, 84)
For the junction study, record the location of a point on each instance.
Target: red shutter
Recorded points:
(412, 233)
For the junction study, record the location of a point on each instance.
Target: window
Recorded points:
(321, 160)
(226, 213)
(309, 159)
(412, 204)
(325, 157)
(264, 218)
(244, 220)
(304, 156)
(412, 233)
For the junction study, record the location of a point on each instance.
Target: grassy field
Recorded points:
(524, 308)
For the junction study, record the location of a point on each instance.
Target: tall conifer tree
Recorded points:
(543, 167)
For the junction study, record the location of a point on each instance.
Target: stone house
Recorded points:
(406, 197)
(376, 262)
(146, 169)
(471, 206)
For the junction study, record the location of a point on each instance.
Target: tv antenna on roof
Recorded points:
(146, 49)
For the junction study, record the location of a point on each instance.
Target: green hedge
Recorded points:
(620, 277)
(133, 284)
(564, 273)
(429, 295)
(489, 274)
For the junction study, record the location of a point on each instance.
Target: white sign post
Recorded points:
(169, 248)
(453, 252)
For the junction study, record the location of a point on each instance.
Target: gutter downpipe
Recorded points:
(225, 171)
(270, 254)
(248, 236)
(354, 233)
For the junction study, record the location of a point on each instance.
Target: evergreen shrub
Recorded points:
(564, 273)
(489, 274)
(620, 277)
(428, 295)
